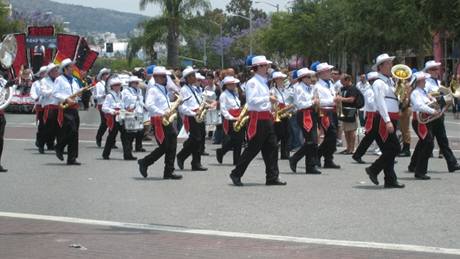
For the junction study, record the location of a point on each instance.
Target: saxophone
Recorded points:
(285, 112)
(201, 113)
(65, 105)
(242, 119)
(173, 111)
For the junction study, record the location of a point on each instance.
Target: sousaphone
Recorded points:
(8, 50)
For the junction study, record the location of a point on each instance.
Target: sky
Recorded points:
(132, 6)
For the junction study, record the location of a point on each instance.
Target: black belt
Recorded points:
(391, 97)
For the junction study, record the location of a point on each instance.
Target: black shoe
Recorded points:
(313, 170)
(236, 180)
(394, 185)
(284, 158)
(422, 177)
(199, 168)
(50, 148)
(74, 162)
(292, 165)
(115, 147)
(60, 155)
(99, 143)
(358, 160)
(440, 156)
(41, 150)
(404, 153)
(180, 163)
(219, 155)
(106, 157)
(3, 170)
(275, 182)
(454, 168)
(331, 165)
(130, 158)
(372, 176)
(204, 153)
(172, 176)
(141, 150)
(411, 169)
(142, 168)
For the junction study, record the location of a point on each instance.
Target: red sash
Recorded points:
(110, 120)
(325, 121)
(307, 119)
(2, 112)
(186, 122)
(38, 108)
(47, 109)
(253, 118)
(421, 128)
(157, 122)
(382, 126)
(235, 113)
(369, 121)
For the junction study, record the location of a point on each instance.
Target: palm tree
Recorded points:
(176, 14)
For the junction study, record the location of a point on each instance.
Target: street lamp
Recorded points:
(277, 6)
(221, 44)
(250, 29)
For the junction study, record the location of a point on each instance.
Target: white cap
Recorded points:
(278, 74)
(304, 72)
(372, 75)
(431, 64)
(230, 80)
(50, 67)
(160, 71)
(42, 70)
(260, 60)
(382, 58)
(134, 79)
(417, 76)
(323, 67)
(66, 62)
(115, 81)
(199, 76)
(102, 72)
(188, 71)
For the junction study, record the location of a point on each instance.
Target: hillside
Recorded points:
(82, 19)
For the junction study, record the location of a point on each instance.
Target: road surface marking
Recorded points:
(183, 230)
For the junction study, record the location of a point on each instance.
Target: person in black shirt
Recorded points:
(348, 95)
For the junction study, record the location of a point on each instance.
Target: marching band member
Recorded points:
(133, 101)
(387, 105)
(35, 93)
(327, 97)
(230, 108)
(419, 101)
(307, 119)
(3, 83)
(68, 119)
(99, 96)
(371, 124)
(284, 97)
(158, 104)
(438, 128)
(113, 106)
(193, 100)
(50, 104)
(261, 133)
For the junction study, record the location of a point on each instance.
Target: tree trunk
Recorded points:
(173, 44)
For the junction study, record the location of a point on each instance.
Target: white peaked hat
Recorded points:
(188, 71)
(323, 67)
(134, 79)
(200, 76)
(66, 62)
(230, 80)
(102, 72)
(420, 76)
(260, 60)
(278, 74)
(382, 58)
(160, 71)
(431, 64)
(50, 67)
(43, 69)
(372, 75)
(304, 72)
(115, 81)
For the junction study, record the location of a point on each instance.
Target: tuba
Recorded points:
(402, 73)
(8, 50)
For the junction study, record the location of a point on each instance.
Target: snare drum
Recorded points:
(133, 122)
(213, 117)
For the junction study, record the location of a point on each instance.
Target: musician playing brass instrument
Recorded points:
(158, 103)
(231, 110)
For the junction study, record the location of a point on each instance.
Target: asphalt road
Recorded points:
(338, 205)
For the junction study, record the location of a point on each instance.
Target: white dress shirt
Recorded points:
(133, 99)
(337, 86)
(432, 85)
(362, 86)
(283, 95)
(99, 92)
(63, 88)
(192, 97)
(228, 101)
(151, 83)
(157, 101)
(385, 98)
(35, 91)
(326, 93)
(258, 94)
(419, 100)
(369, 99)
(112, 102)
(303, 96)
(47, 87)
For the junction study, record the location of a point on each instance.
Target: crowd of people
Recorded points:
(287, 115)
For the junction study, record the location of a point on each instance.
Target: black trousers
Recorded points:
(167, 148)
(233, 141)
(126, 141)
(102, 126)
(265, 141)
(422, 152)
(390, 149)
(438, 130)
(2, 134)
(138, 136)
(309, 149)
(328, 146)
(283, 136)
(42, 136)
(195, 142)
(68, 134)
(366, 142)
(51, 127)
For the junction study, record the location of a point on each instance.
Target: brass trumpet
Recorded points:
(285, 112)
(65, 105)
(242, 119)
